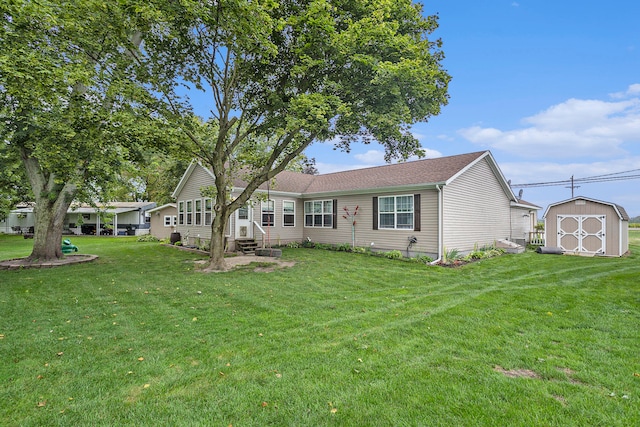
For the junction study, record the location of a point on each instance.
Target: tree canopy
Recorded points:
(282, 75)
(69, 105)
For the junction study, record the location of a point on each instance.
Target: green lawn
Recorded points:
(140, 337)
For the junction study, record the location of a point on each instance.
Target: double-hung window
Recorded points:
(189, 212)
(268, 213)
(396, 212)
(198, 212)
(288, 213)
(207, 211)
(180, 213)
(169, 221)
(318, 213)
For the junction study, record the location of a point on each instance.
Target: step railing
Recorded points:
(262, 232)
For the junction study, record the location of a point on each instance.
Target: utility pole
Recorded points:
(572, 187)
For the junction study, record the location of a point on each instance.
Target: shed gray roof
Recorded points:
(622, 213)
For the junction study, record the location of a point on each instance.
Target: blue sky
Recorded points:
(551, 87)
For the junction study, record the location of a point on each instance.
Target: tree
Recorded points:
(285, 74)
(67, 107)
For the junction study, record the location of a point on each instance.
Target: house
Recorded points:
(587, 226)
(524, 218)
(163, 220)
(124, 217)
(420, 207)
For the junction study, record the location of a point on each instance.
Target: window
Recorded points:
(396, 212)
(288, 213)
(198, 212)
(207, 212)
(189, 212)
(180, 213)
(319, 213)
(169, 220)
(268, 210)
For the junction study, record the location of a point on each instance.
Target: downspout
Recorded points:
(440, 224)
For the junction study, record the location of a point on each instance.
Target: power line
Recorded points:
(615, 176)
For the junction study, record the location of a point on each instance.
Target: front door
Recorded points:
(244, 223)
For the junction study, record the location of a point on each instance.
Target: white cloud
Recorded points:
(373, 157)
(632, 90)
(574, 128)
(431, 154)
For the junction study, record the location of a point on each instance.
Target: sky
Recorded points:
(550, 87)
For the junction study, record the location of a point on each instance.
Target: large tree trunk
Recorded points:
(52, 202)
(47, 238)
(217, 262)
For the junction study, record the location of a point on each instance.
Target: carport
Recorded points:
(587, 227)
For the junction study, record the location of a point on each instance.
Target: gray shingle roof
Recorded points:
(420, 172)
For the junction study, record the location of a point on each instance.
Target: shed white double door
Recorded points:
(582, 233)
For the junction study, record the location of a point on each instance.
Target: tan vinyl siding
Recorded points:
(158, 228)
(614, 240)
(191, 191)
(382, 239)
(624, 237)
(476, 210)
(278, 234)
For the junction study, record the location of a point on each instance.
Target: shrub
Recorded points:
(345, 247)
(294, 245)
(423, 259)
(325, 246)
(360, 250)
(147, 238)
(393, 254)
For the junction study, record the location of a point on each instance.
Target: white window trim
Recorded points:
(264, 204)
(210, 211)
(170, 222)
(196, 212)
(181, 213)
(395, 212)
(189, 219)
(323, 213)
(291, 213)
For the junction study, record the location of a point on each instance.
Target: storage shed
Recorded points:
(587, 227)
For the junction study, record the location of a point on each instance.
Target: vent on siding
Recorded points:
(581, 202)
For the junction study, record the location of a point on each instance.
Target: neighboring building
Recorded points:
(586, 226)
(420, 207)
(120, 218)
(163, 220)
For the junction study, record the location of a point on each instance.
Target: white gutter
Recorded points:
(440, 224)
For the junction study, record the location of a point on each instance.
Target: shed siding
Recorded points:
(613, 224)
(476, 209)
(624, 237)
